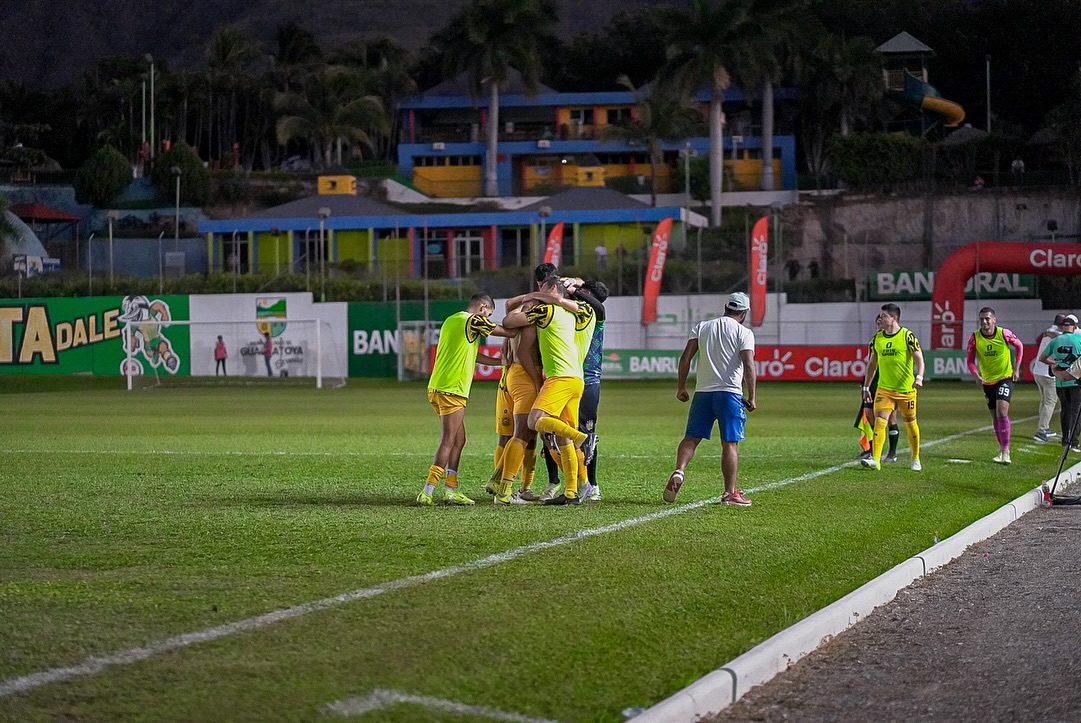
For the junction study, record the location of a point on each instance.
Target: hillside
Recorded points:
(57, 42)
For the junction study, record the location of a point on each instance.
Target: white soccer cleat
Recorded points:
(1002, 458)
(549, 491)
(916, 466)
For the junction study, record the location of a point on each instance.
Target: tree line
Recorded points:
(253, 105)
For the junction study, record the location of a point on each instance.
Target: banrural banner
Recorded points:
(919, 285)
(86, 335)
(374, 341)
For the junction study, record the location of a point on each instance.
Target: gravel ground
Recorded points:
(994, 636)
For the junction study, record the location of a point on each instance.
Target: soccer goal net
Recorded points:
(303, 352)
(416, 339)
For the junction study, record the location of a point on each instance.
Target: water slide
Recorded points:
(925, 96)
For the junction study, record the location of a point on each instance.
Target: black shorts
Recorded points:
(1000, 390)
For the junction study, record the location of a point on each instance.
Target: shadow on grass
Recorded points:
(360, 499)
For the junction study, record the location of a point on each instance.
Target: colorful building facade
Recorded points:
(544, 140)
(304, 236)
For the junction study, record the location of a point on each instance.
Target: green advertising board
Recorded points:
(373, 332)
(643, 364)
(918, 285)
(946, 364)
(86, 335)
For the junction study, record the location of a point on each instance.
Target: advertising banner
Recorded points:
(759, 270)
(772, 363)
(655, 270)
(86, 335)
(919, 285)
(374, 341)
(554, 247)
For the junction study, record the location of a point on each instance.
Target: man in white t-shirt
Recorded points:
(725, 371)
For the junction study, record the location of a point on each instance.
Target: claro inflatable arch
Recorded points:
(948, 297)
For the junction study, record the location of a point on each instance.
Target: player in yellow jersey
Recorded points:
(456, 357)
(896, 355)
(990, 361)
(556, 408)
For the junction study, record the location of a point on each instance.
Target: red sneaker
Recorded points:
(735, 498)
(675, 481)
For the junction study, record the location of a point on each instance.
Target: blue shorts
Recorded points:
(725, 408)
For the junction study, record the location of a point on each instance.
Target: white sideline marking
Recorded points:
(385, 698)
(94, 665)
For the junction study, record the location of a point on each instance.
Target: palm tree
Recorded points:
(840, 85)
(713, 44)
(387, 64)
(664, 115)
(229, 57)
(486, 39)
(332, 111)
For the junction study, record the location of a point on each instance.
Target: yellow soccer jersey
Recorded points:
(585, 321)
(895, 360)
(456, 352)
(556, 338)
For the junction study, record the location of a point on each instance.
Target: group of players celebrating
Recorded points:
(550, 386)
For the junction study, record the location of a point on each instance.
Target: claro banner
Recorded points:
(772, 363)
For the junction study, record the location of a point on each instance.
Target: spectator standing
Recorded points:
(220, 355)
(1045, 380)
(793, 267)
(725, 373)
(1017, 171)
(268, 351)
(602, 256)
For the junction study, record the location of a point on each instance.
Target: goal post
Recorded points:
(303, 352)
(416, 338)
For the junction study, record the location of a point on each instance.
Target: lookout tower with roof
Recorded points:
(904, 72)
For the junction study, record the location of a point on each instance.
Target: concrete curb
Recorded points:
(724, 686)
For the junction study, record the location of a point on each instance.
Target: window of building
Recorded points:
(514, 247)
(618, 115)
(582, 116)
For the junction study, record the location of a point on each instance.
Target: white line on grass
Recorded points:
(384, 698)
(92, 666)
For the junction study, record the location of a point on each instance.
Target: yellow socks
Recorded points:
(551, 425)
(569, 461)
(452, 479)
(880, 438)
(435, 473)
(512, 458)
(913, 430)
(529, 467)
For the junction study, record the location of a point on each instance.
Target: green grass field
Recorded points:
(127, 519)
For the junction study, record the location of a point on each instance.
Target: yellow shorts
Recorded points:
(904, 402)
(559, 397)
(522, 392)
(515, 396)
(504, 409)
(444, 403)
